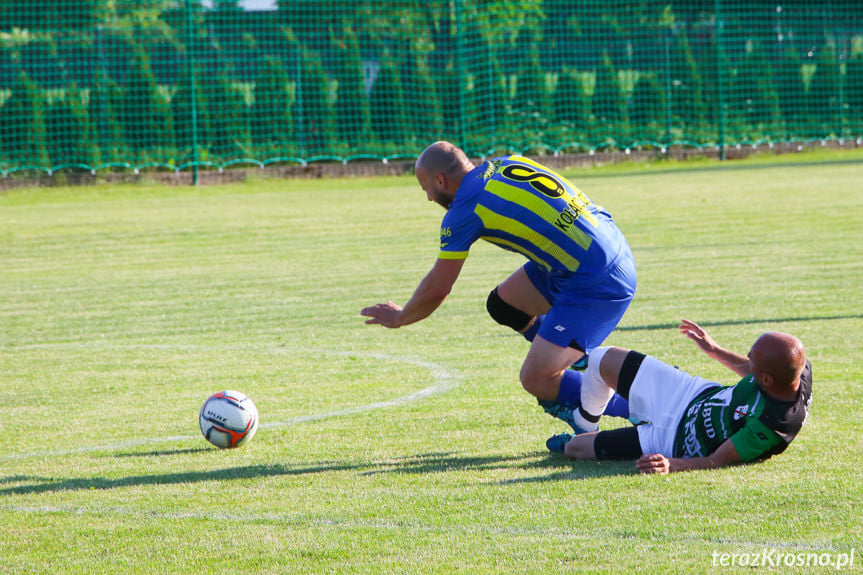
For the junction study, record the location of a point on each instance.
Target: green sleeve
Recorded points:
(754, 440)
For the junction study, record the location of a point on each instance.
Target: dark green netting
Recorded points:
(89, 84)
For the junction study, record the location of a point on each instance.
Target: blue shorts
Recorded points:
(583, 313)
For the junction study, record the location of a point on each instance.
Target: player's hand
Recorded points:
(385, 314)
(653, 463)
(697, 334)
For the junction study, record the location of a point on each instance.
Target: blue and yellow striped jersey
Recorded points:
(524, 207)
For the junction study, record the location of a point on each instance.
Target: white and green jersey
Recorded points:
(758, 425)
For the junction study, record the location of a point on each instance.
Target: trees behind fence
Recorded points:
(180, 83)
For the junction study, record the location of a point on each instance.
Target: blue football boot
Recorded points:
(557, 443)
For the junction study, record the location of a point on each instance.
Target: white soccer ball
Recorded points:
(228, 419)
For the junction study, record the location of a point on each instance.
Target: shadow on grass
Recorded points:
(229, 474)
(21, 479)
(565, 469)
(673, 325)
(424, 464)
(754, 321)
(561, 467)
(160, 453)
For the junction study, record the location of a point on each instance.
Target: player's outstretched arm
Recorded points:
(725, 455)
(432, 291)
(737, 363)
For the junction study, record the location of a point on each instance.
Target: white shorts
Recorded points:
(659, 396)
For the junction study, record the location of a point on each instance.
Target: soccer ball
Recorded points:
(228, 419)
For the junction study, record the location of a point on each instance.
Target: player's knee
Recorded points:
(526, 381)
(506, 314)
(536, 382)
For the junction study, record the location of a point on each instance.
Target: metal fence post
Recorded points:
(102, 87)
(193, 106)
(668, 94)
(460, 71)
(720, 80)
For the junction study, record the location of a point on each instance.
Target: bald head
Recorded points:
(444, 158)
(440, 170)
(779, 356)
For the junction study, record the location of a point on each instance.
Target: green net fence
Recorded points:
(173, 84)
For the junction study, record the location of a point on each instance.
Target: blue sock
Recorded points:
(570, 388)
(617, 407)
(570, 394)
(530, 333)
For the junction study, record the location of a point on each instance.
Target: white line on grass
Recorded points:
(444, 380)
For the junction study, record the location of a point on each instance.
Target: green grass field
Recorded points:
(409, 451)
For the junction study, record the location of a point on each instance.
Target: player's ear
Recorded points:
(440, 180)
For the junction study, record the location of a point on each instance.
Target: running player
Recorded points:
(569, 296)
(692, 423)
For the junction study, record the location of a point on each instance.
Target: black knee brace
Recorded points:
(505, 314)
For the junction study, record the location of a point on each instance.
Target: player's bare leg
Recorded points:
(518, 304)
(544, 367)
(581, 446)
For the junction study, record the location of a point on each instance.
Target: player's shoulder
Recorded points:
(517, 162)
(474, 181)
(469, 191)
